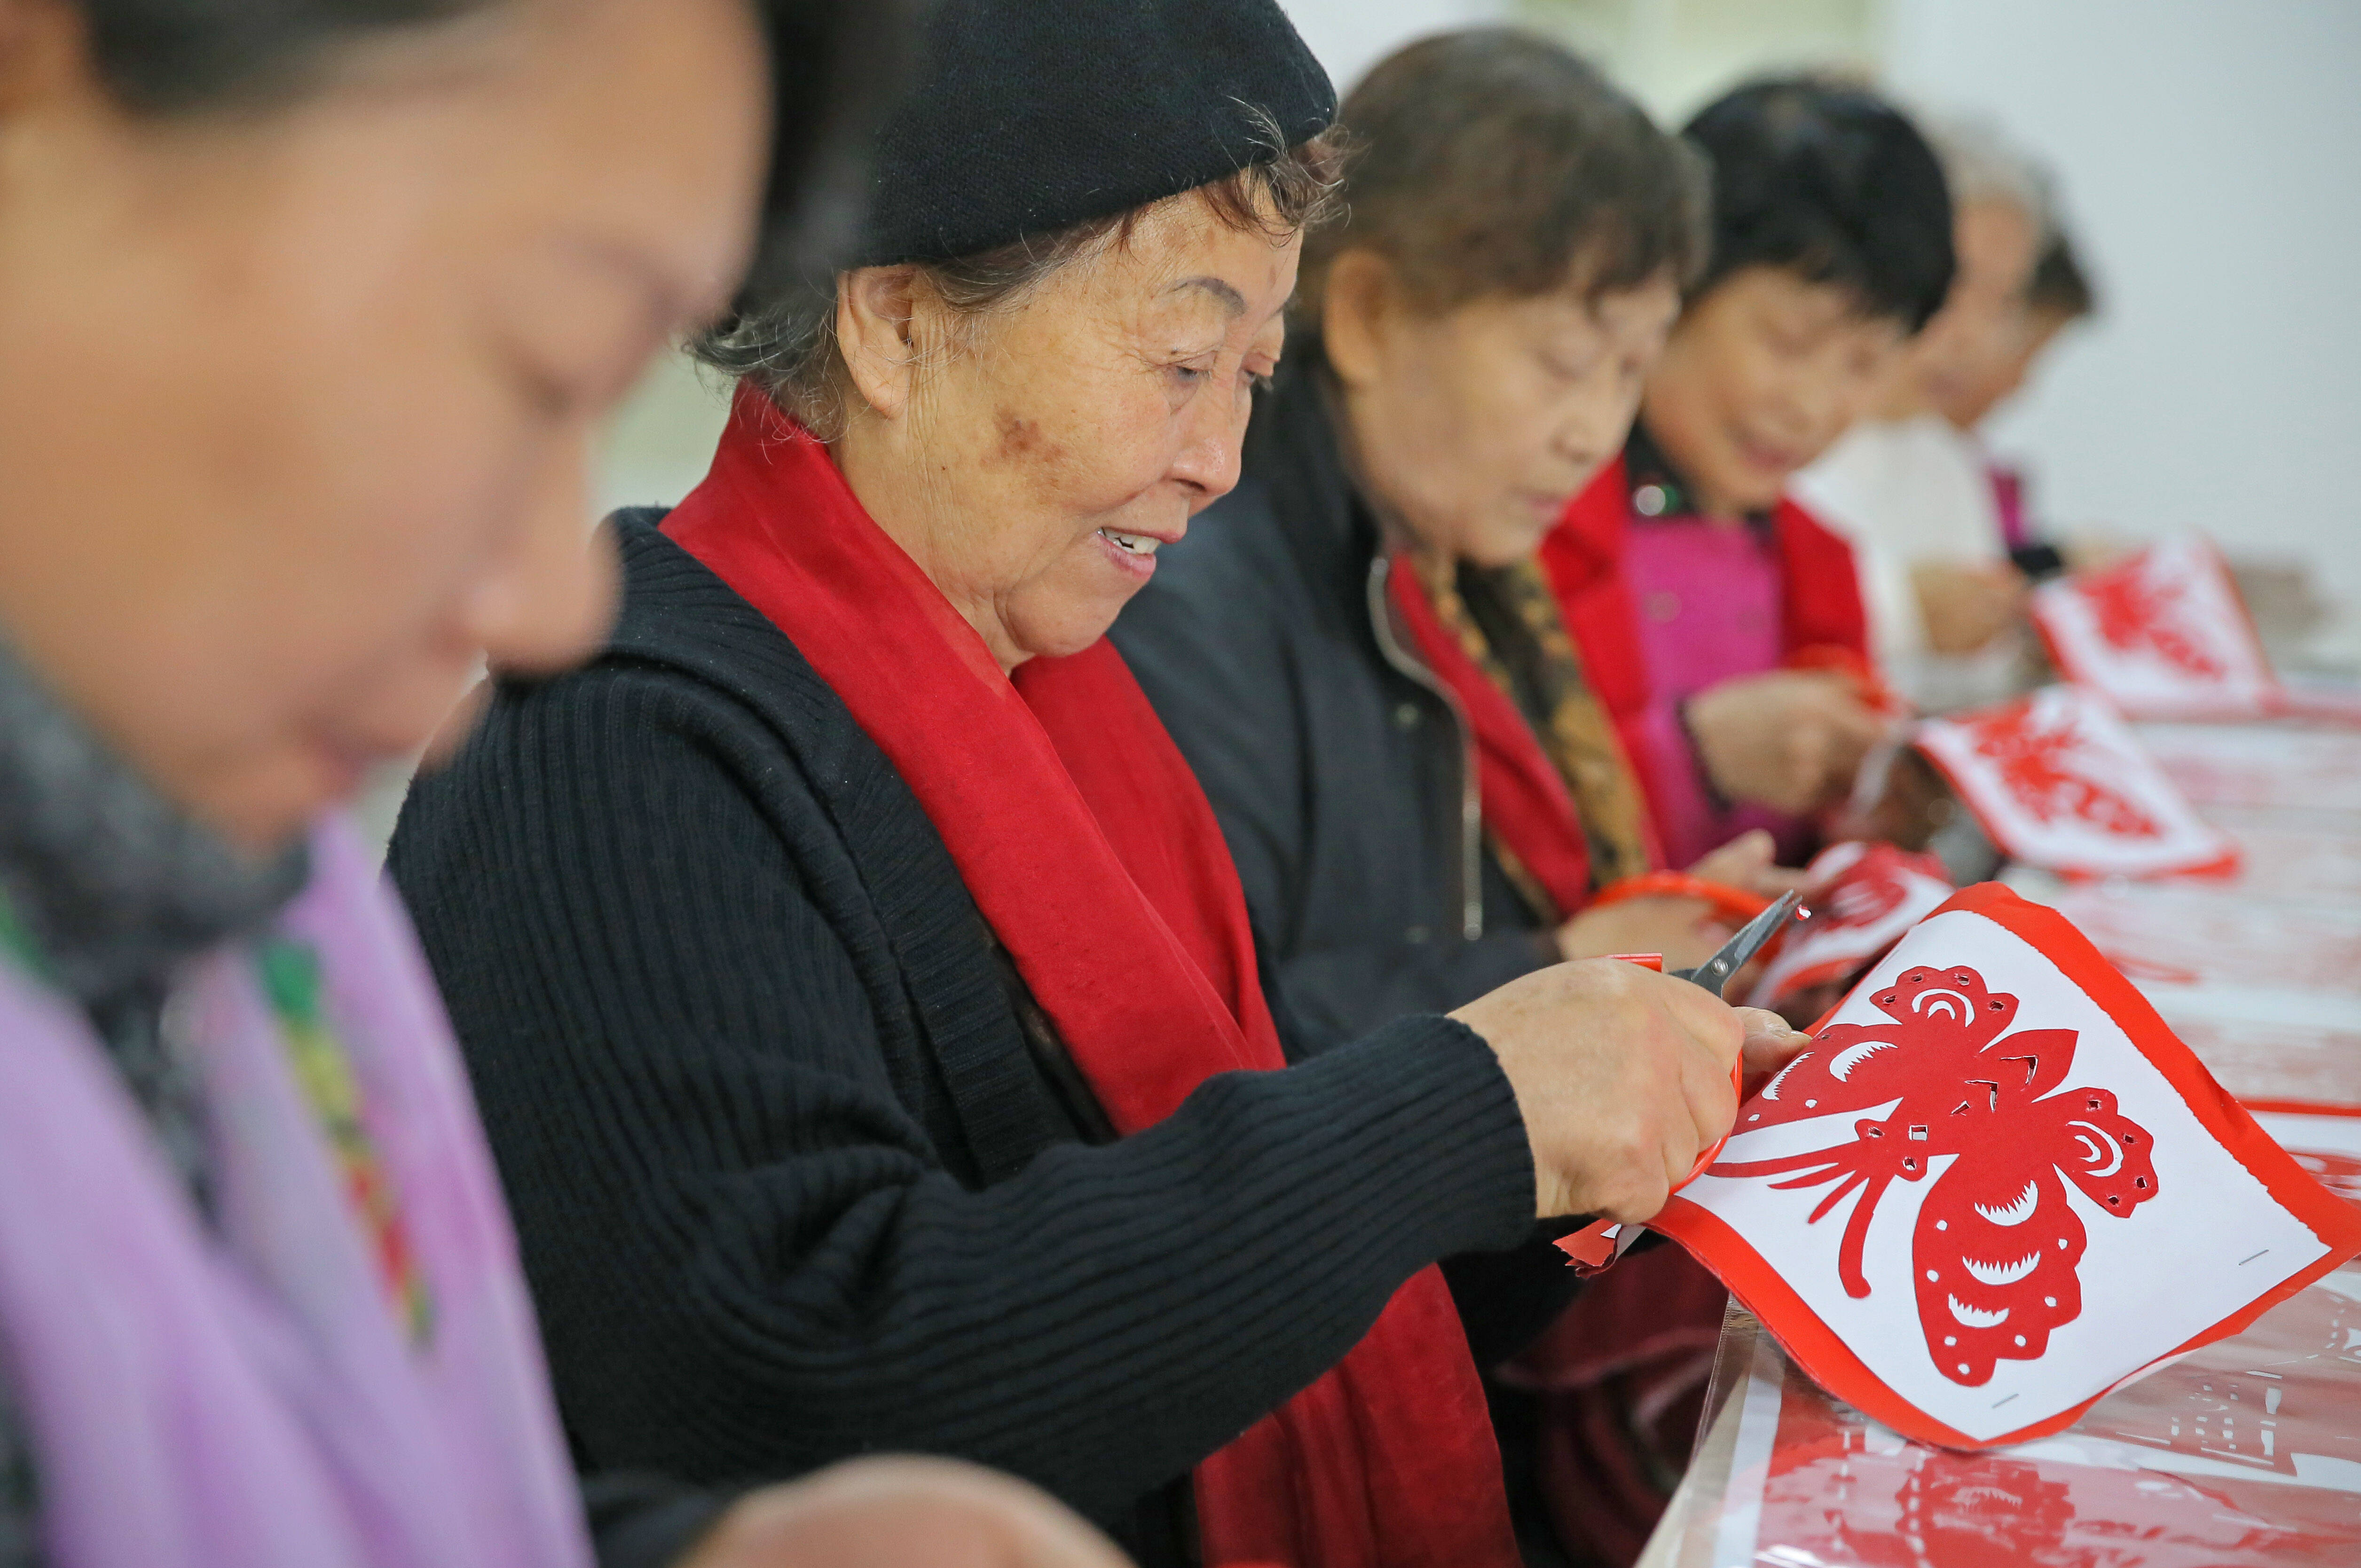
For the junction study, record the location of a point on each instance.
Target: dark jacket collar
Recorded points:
(1293, 452)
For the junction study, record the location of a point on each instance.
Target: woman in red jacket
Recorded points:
(1722, 625)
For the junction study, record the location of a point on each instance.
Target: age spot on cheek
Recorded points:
(1022, 440)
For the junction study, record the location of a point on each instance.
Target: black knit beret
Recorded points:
(1028, 117)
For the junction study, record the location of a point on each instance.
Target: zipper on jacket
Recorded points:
(1471, 798)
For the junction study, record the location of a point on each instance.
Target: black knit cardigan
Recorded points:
(791, 1183)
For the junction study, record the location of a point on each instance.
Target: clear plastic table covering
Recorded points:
(2246, 1453)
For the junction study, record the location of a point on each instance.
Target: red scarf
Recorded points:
(1527, 806)
(1135, 943)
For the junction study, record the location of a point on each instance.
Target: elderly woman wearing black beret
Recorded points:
(857, 989)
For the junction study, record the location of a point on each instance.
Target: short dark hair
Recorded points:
(1830, 182)
(835, 64)
(1492, 161)
(2060, 287)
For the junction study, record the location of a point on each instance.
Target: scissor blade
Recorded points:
(1715, 972)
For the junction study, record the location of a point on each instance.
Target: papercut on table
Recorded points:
(1996, 1186)
(2056, 780)
(2163, 634)
(1864, 897)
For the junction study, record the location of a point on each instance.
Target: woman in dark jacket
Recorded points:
(852, 974)
(1357, 651)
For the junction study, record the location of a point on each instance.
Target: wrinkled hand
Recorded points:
(903, 1513)
(1965, 607)
(1770, 1044)
(1623, 1077)
(1790, 740)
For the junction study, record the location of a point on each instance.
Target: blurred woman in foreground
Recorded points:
(308, 312)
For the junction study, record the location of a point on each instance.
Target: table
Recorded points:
(2246, 1453)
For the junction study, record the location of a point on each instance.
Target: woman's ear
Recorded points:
(876, 308)
(1357, 310)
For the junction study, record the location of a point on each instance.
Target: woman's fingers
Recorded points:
(1770, 1044)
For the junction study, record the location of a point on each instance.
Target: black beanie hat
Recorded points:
(1028, 117)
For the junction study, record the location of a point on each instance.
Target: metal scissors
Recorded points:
(1602, 1243)
(1736, 953)
(1715, 972)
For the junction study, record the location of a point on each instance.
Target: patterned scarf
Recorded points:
(1506, 622)
(260, 1377)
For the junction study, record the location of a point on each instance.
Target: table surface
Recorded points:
(2246, 1453)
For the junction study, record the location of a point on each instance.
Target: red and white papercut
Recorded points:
(1996, 1187)
(2058, 780)
(1864, 897)
(2163, 634)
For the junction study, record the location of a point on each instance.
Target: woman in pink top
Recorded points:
(1720, 620)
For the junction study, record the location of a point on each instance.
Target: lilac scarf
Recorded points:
(248, 1397)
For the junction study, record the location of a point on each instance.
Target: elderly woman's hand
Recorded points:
(1770, 1044)
(1964, 606)
(1790, 740)
(1623, 1077)
(903, 1513)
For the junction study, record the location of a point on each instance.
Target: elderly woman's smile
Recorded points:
(1032, 457)
(1135, 552)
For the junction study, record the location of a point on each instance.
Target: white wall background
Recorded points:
(1350, 36)
(2211, 159)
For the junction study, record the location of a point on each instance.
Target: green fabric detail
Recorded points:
(293, 983)
(17, 943)
(291, 978)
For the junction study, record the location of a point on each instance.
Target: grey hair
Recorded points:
(783, 338)
(1981, 164)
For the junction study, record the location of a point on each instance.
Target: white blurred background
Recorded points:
(2209, 158)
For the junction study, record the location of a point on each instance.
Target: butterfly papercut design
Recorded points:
(1998, 1248)
(2135, 614)
(2035, 763)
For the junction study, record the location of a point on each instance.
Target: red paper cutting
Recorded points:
(2161, 634)
(2056, 780)
(1997, 1246)
(1996, 1186)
